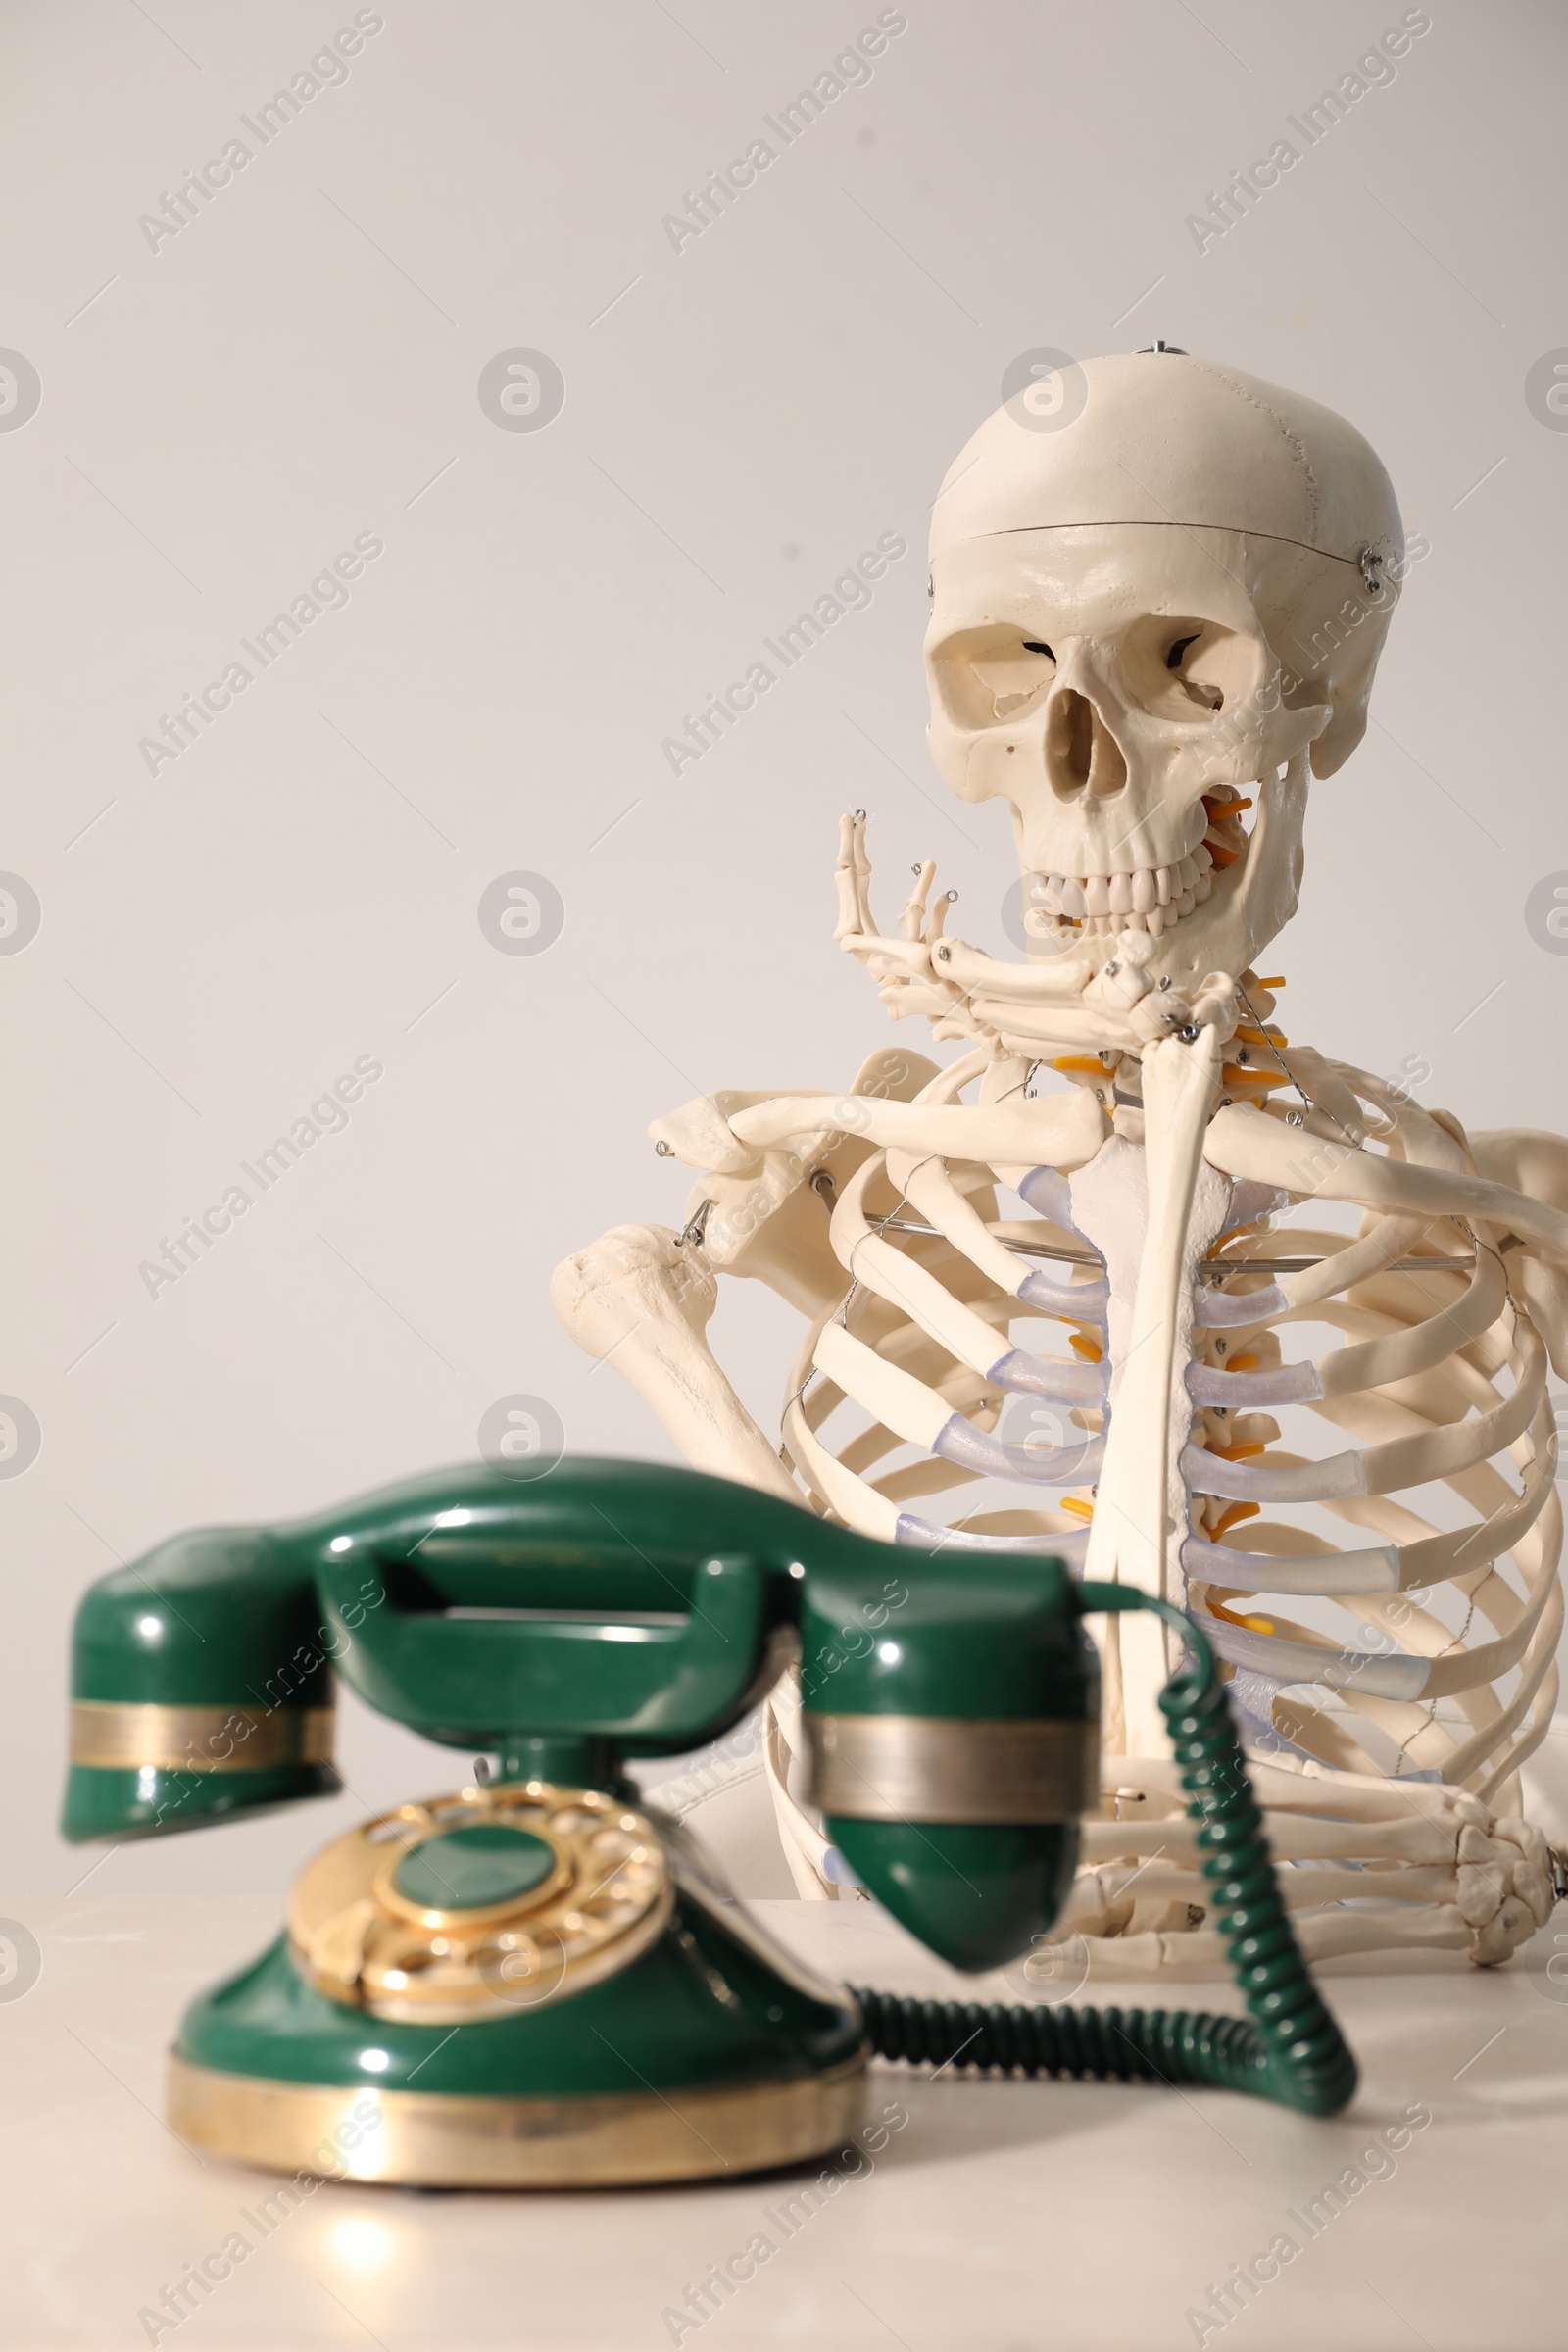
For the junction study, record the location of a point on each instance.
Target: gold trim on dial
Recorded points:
(604, 1901)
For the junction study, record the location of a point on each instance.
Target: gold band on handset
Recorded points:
(115, 1737)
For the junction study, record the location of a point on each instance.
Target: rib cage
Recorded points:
(1438, 1380)
(1385, 1758)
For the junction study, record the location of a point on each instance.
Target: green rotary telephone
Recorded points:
(538, 1980)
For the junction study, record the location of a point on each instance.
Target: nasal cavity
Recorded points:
(1082, 756)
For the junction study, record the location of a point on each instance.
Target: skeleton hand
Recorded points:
(908, 979)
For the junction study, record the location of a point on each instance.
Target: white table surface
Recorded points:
(1004, 2215)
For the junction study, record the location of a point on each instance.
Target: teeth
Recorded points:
(1150, 899)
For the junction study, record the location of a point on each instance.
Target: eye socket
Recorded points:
(985, 676)
(1189, 666)
(1195, 682)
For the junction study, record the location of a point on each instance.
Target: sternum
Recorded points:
(1110, 1208)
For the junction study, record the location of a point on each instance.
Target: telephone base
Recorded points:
(709, 2054)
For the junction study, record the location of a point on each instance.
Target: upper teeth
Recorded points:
(1151, 899)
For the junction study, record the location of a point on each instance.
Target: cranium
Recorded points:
(1140, 616)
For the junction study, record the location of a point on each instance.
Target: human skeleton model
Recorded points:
(1141, 623)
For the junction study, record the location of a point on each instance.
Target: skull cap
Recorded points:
(1160, 437)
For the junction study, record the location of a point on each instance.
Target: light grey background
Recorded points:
(742, 416)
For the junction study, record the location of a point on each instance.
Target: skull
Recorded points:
(1144, 622)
